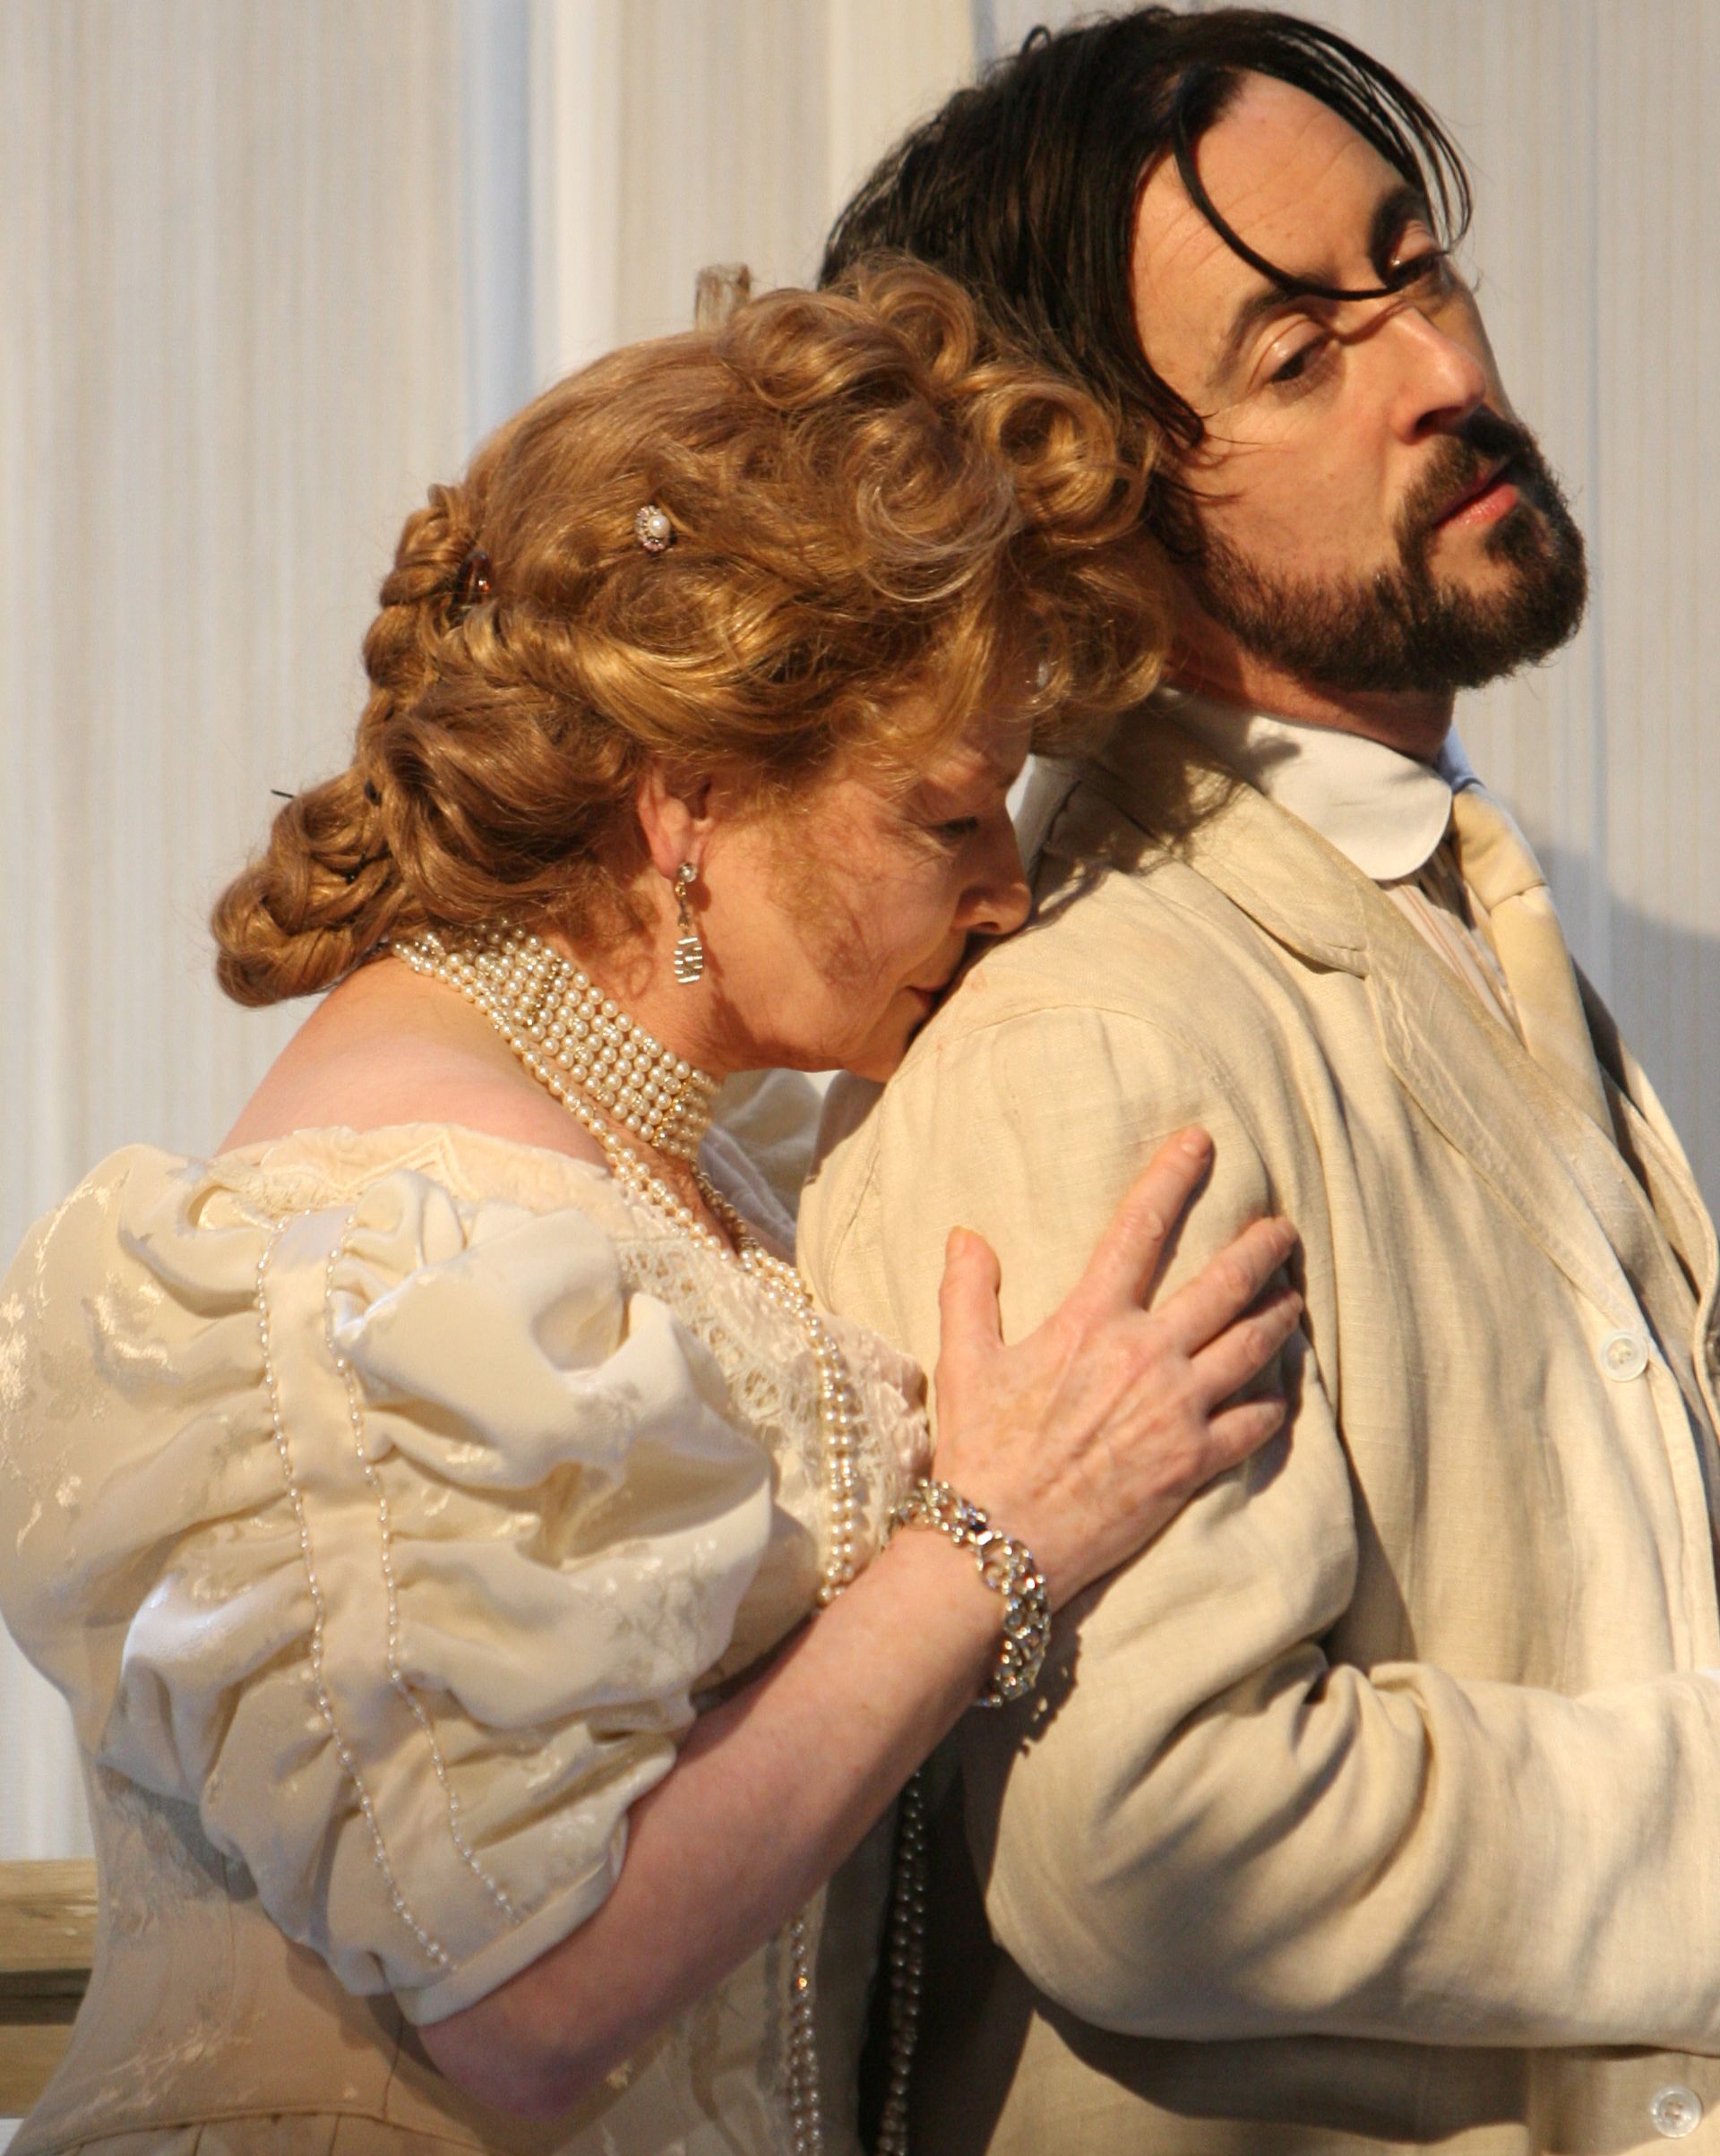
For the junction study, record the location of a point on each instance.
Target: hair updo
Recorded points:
(881, 521)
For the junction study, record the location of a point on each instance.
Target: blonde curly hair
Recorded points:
(881, 517)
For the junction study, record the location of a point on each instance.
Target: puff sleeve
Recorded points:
(414, 1532)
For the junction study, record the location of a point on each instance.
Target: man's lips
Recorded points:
(1487, 498)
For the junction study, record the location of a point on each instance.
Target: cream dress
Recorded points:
(385, 1506)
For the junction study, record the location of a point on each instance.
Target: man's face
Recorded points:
(1372, 515)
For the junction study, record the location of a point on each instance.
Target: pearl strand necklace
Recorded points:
(639, 1083)
(538, 1000)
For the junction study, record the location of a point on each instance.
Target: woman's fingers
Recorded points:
(968, 1321)
(1240, 1431)
(1127, 1257)
(1243, 1349)
(1225, 1287)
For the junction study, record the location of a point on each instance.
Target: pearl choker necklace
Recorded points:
(542, 1002)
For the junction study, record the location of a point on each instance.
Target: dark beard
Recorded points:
(1401, 630)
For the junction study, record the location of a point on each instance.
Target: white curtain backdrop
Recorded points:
(231, 358)
(272, 266)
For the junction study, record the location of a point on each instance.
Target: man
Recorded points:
(1378, 1805)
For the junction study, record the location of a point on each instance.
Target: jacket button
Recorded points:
(1675, 2111)
(1624, 1356)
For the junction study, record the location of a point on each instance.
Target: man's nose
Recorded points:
(1443, 380)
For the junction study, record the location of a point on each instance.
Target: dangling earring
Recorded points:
(688, 951)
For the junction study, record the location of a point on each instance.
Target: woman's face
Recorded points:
(832, 928)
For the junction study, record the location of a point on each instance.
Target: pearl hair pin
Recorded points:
(653, 531)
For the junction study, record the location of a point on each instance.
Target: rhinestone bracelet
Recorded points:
(1007, 1566)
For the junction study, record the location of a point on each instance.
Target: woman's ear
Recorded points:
(675, 815)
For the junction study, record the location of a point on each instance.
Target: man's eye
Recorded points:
(1432, 268)
(957, 830)
(1297, 365)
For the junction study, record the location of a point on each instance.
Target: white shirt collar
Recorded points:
(1383, 811)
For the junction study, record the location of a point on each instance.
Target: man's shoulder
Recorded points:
(1134, 993)
(1153, 943)
(1159, 983)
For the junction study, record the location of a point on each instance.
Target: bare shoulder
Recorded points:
(386, 1047)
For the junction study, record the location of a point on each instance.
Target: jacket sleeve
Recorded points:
(1204, 1827)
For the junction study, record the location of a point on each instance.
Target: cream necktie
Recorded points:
(1505, 878)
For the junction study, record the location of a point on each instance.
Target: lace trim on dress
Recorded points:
(772, 1373)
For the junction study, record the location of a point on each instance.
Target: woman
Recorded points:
(421, 1499)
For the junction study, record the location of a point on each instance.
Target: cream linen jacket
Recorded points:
(1378, 1805)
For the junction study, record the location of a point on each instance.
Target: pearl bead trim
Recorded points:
(395, 1672)
(432, 1945)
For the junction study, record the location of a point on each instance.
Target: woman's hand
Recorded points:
(1086, 1437)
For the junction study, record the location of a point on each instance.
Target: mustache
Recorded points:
(1455, 465)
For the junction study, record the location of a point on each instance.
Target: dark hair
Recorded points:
(1024, 187)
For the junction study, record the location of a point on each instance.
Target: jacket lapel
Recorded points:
(1473, 1078)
